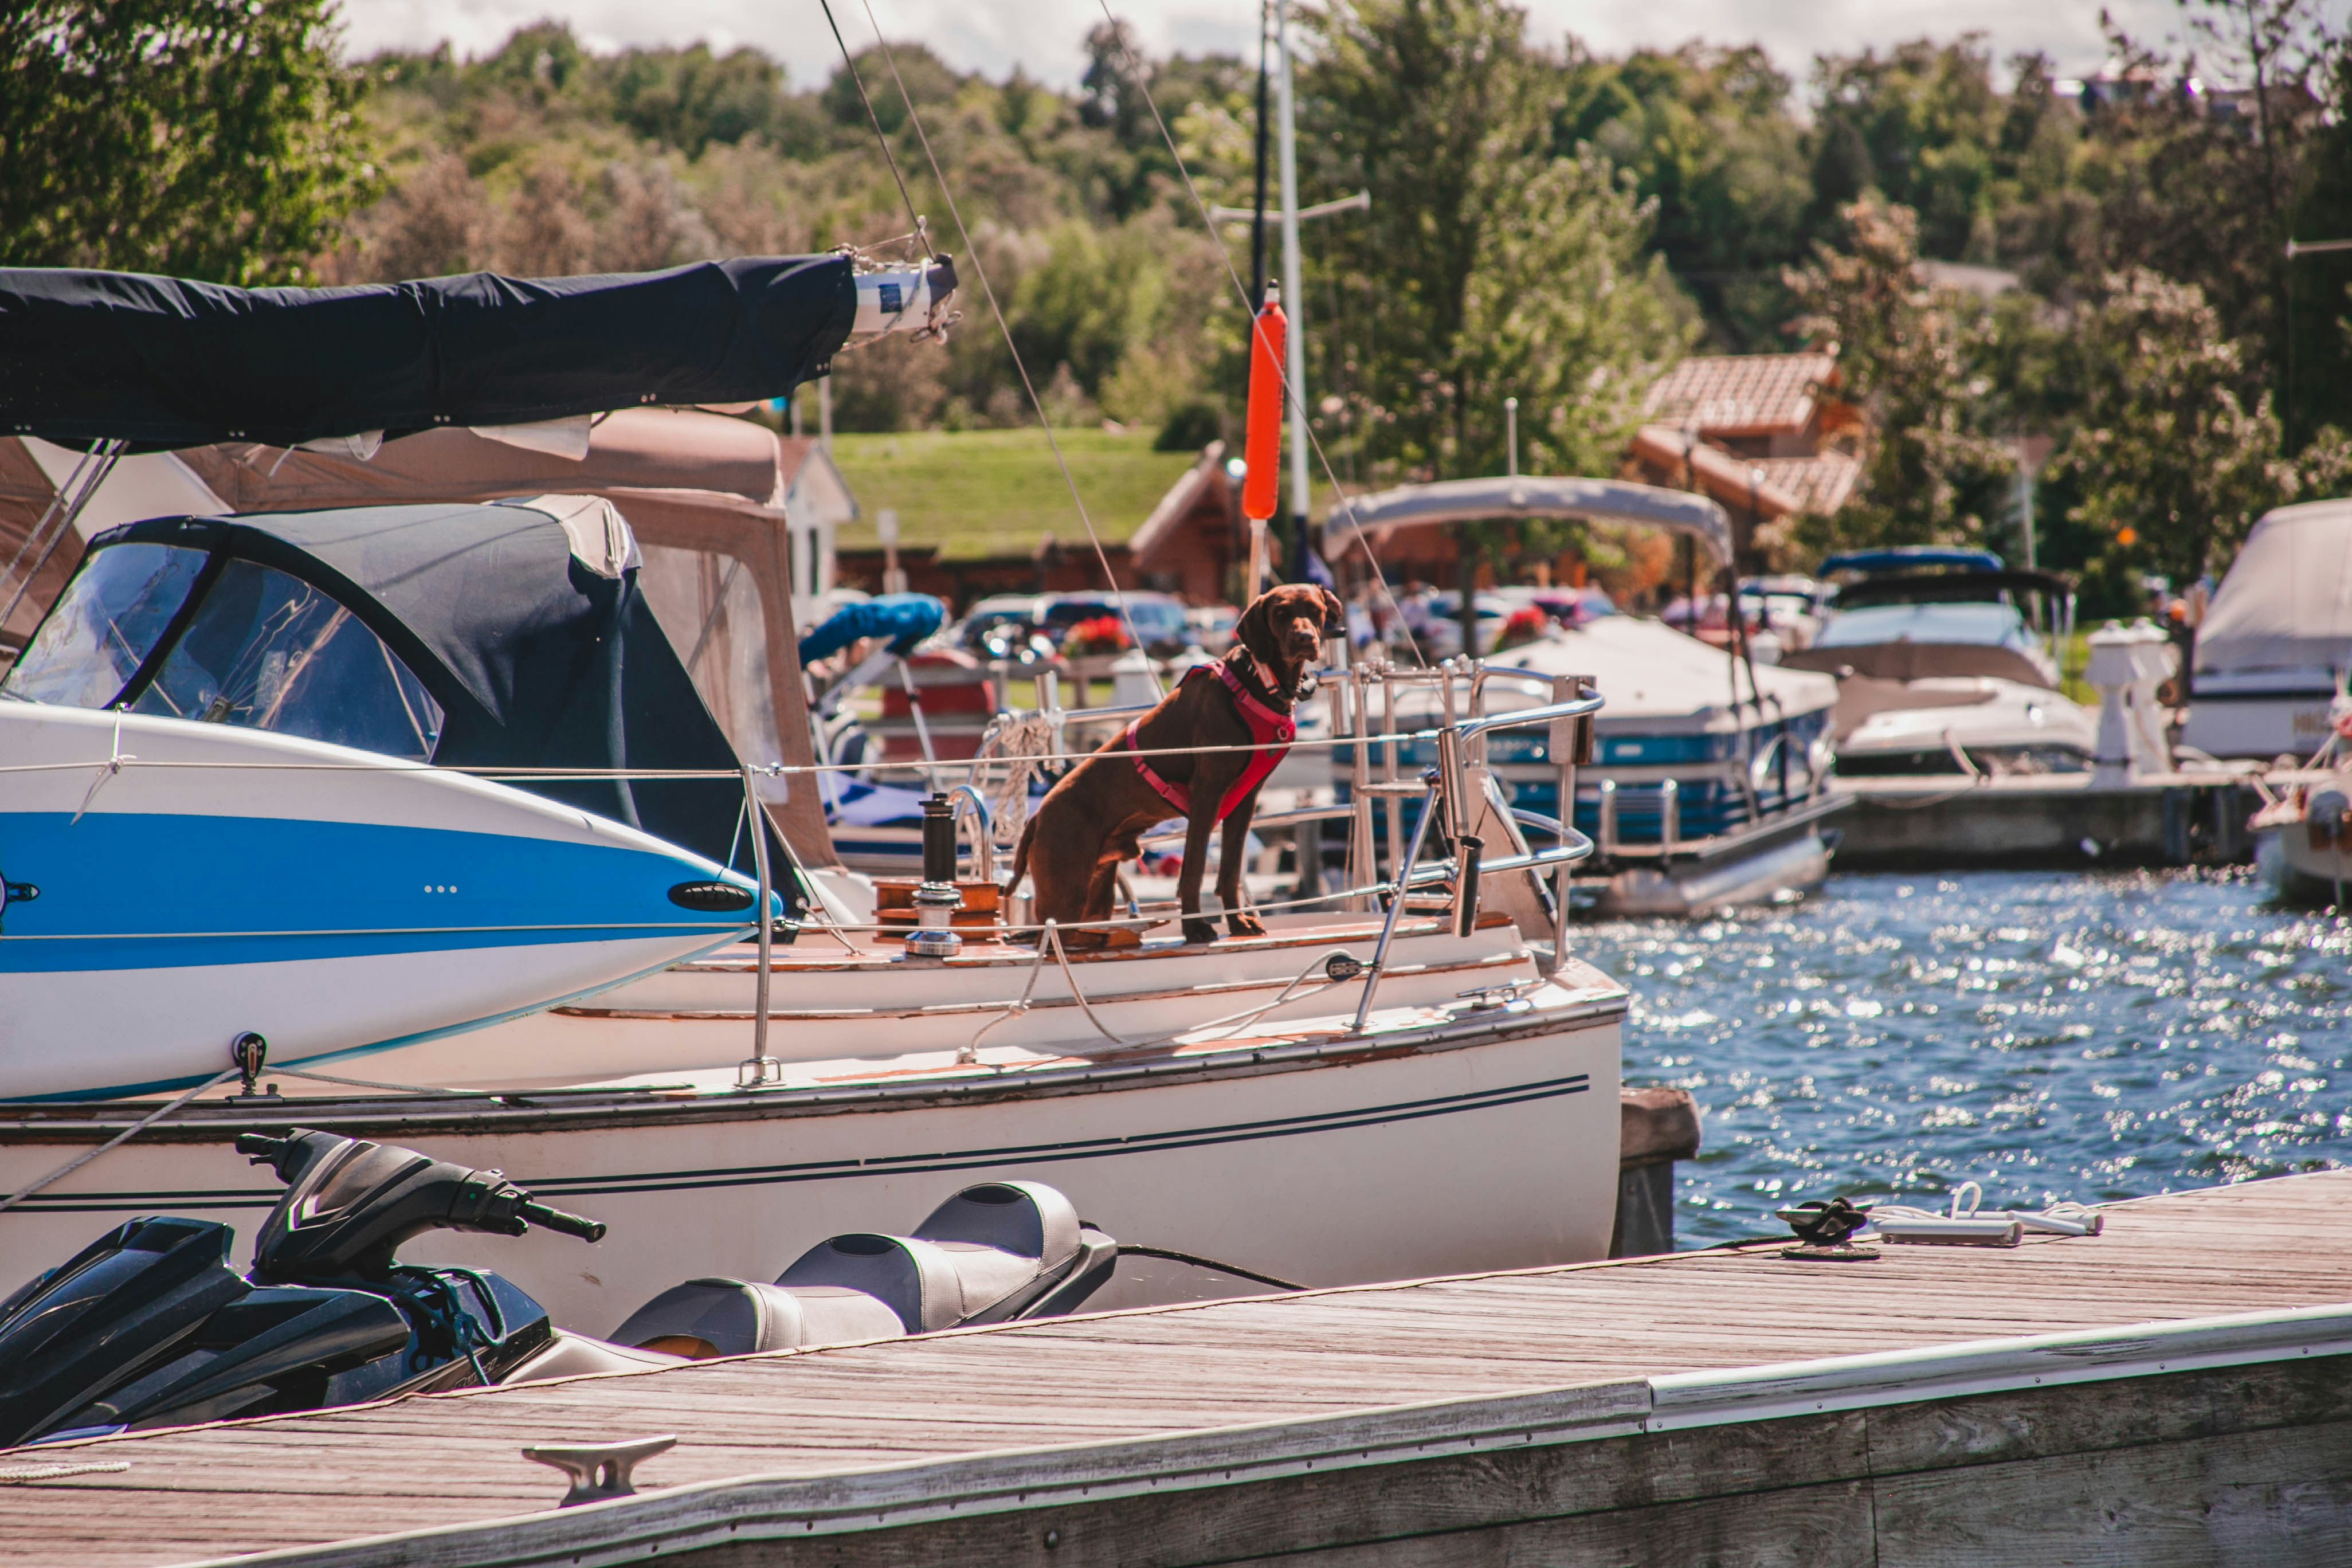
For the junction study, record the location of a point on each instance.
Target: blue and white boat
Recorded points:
(221, 811)
(1711, 779)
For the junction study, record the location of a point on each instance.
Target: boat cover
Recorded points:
(2287, 601)
(163, 362)
(1522, 495)
(532, 636)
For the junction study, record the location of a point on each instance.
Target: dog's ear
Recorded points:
(1334, 616)
(1255, 631)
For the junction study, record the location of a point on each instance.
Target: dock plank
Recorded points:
(454, 1458)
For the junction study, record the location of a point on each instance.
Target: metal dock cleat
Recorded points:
(600, 1470)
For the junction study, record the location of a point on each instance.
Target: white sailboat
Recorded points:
(1381, 1092)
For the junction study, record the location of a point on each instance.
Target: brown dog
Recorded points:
(1096, 816)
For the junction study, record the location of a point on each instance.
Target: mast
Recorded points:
(1257, 209)
(1294, 296)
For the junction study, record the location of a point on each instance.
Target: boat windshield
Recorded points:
(1988, 626)
(108, 621)
(267, 651)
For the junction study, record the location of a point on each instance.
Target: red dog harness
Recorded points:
(1265, 726)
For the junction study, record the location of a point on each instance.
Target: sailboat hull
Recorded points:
(1449, 1139)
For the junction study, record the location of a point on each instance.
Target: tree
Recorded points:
(1707, 135)
(1909, 356)
(2171, 464)
(1489, 266)
(2202, 168)
(210, 139)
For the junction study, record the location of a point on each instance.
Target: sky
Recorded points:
(1044, 35)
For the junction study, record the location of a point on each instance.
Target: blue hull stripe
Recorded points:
(123, 890)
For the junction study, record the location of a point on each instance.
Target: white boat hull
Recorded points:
(1471, 1138)
(2300, 872)
(220, 881)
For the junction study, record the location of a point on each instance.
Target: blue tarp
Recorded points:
(905, 618)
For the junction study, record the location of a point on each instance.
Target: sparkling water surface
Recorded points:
(2085, 1037)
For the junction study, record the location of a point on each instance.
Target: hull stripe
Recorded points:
(834, 1170)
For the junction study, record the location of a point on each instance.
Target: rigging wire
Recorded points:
(971, 253)
(875, 120)
(1306, 425)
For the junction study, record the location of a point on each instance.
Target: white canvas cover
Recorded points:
(2286, 602)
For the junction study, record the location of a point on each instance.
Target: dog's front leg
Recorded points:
(1238, 921)
(1202, 818)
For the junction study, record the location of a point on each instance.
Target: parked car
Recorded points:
(1029, 627)
(1211, 627)
(1157, 619)
(1443, 636)
(1003, 626)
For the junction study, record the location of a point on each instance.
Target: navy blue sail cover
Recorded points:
(537, 659)
(163, 362)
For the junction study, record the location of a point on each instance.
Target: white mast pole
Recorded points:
(1294, 295)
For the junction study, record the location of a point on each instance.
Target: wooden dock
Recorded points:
(2177, 1390)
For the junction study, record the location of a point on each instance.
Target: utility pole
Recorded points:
(1293, 292)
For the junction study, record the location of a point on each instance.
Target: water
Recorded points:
(2049, 1036)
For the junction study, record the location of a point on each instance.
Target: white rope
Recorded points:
(2066, 1217)
(1022, 743)
(33, 1473)
(769, 770)
(128, 1133)
(1053, 938)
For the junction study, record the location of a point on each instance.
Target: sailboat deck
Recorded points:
(452, 1463)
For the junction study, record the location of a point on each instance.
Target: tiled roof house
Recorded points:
(1765, 435)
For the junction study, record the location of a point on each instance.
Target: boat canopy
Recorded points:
(2286, 602)
(164, 362)
(1910, 557)
(1519, 495)
(510, 635)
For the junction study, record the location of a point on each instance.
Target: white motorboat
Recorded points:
(2302, 834)
(216, 818)
(1940, 671)
(1711, 779)
(1383, 1092)
(2276, 645)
